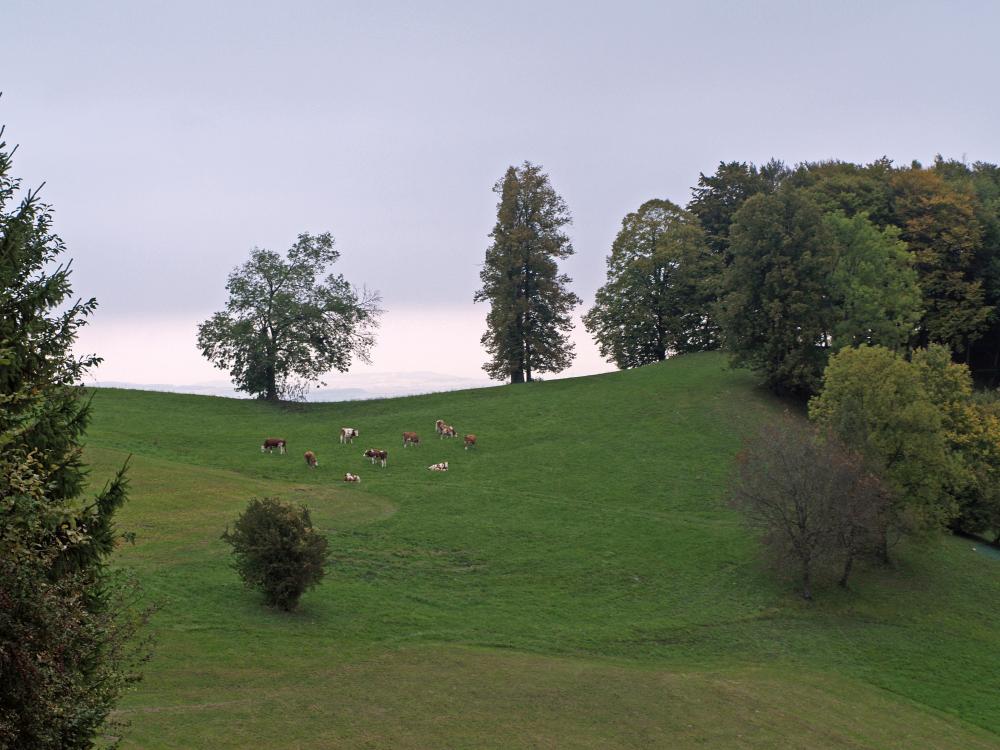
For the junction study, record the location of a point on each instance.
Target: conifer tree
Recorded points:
(65, 622)
(529, 320)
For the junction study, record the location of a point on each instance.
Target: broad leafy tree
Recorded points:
(873, 288)
(528, 325)
(658, 296)
(286, 324)
(775, 310)
(940, 227)
(66, 626)
(881, 405)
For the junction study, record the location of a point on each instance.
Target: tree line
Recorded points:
(871, 291)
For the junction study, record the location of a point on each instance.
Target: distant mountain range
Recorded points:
(350, 387)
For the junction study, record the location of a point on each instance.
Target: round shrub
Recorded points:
(277, 550)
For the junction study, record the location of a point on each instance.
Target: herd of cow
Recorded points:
(375, 455)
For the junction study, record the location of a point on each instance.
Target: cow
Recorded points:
(448, 431)
(410, 438)
(347, 435)
(438, 425)
(349, 477)
(470, 441)
(443, 466)
(376, 455)
(311, 461)
(270, 444)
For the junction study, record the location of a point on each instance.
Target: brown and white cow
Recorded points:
(349, 477)
(448, 431)
(438, 425)
(443, 466)
(347, 435)
(376, 455)
(470, 441)
(410, 438)
(311, 461)
(270, 444)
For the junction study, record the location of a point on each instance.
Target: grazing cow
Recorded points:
(448, 431)
(410, 438)
(349, 477)
(347, 435)
(270, 444)
(438, 425)
(443, 466)
(470, 441)
(311, 461)
(376, 455)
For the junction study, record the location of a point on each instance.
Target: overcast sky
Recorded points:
(174, 136)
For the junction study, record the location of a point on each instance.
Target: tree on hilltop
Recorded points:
(658, 295)
(529, 320)
(282, 325)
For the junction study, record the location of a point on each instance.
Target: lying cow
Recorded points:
(410, 438)
(443, 466)
(311, 461)
(347, 435)
(270, 444)
(376, 455)
(448, 431)
(470, 441)
(349, 477)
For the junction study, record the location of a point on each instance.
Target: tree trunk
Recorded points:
(517, 376)
(806, 582)
(883, 547)
(272, 388)
(848, 564)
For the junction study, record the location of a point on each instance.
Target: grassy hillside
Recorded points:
(575, 581)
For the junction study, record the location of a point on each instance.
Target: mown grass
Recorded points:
(576, 580)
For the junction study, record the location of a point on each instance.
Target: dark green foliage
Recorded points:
(66, 624)
(849, 188)
(277, 550)
(657, 300)
(775, 308)
(873, 291)
(527, 328)
(716, 198)
(283, 329)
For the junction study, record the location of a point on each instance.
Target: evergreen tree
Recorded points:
(529, 319)
(65, 622)
(658, 295)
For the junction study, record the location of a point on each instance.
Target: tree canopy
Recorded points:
(283, 327)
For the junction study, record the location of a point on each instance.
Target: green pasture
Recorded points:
(576, 580)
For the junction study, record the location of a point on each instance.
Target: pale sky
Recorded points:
(174, 136)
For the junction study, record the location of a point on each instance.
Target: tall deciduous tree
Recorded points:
(657, 300)
(65, 624)
(775, 308)
(873, 287)
(940, 228)
(530, 304)
(282, 325)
